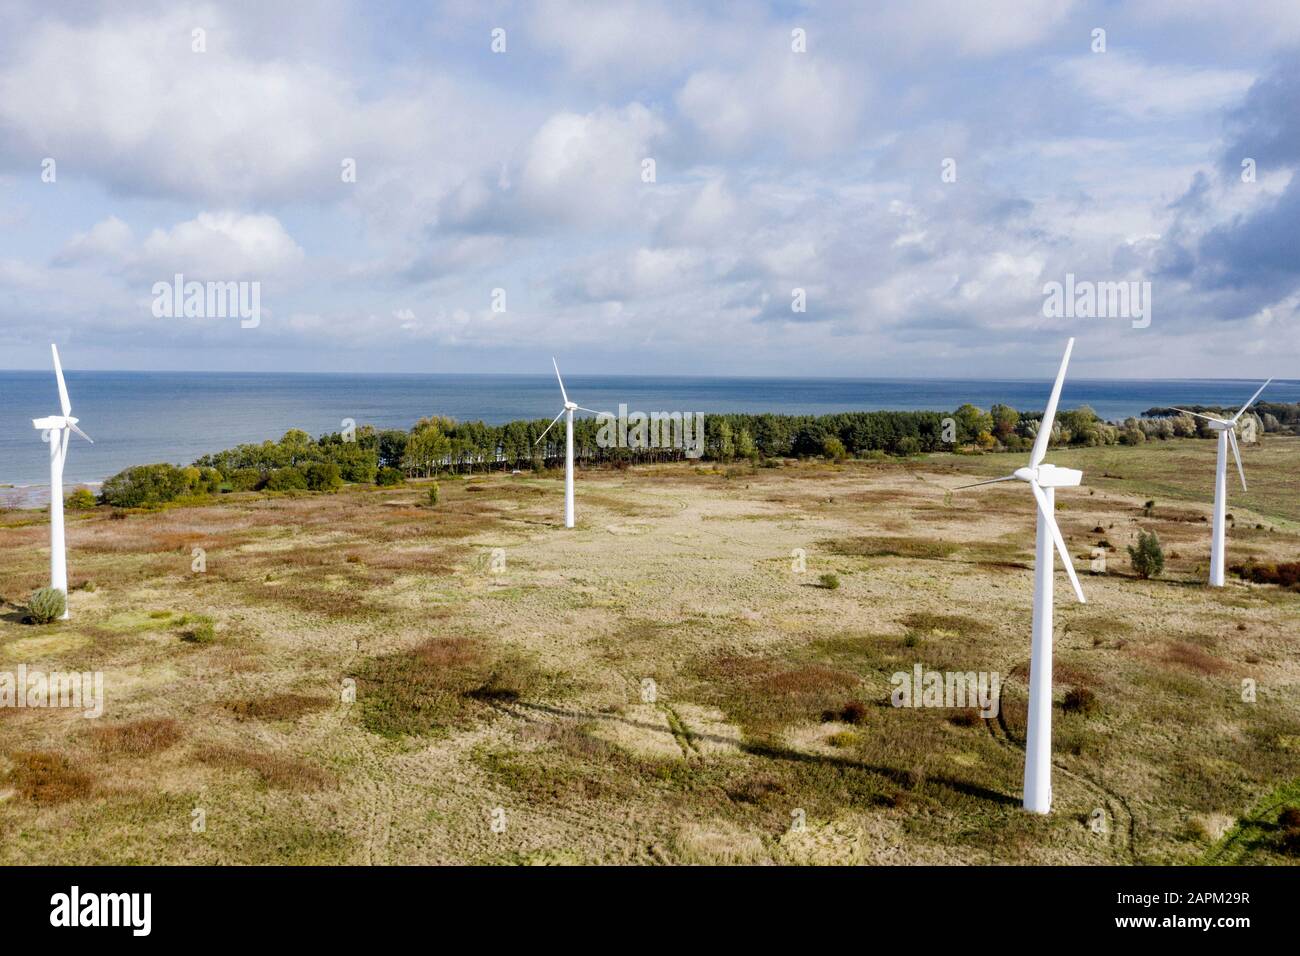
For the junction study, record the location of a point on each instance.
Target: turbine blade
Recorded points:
(991, 481)
(592, 410)
(63, 388)
(1049, 415)
(1248, 404)
(548, 428)
(1236, 453)
(1060, 541)
(81, 433)
(1208, 418)
(560, 380)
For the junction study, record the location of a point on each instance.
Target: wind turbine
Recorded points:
(567, 411)
(1043, 480)
(58, 430)
(1227, 429)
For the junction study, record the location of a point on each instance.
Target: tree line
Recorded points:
(437, 444)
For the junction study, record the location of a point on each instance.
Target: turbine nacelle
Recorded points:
(58, 423)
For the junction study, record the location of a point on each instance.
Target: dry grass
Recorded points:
(137, 738)
(48, 778)
(281, 771)
(525, 690)
(286, 706)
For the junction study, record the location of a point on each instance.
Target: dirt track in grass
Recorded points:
(660, 684)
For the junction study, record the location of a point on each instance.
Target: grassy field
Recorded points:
(661, 684)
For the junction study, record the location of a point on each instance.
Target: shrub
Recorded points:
(389, 476)
(1149, 508)
(82, 499)
(907, 446)
(854, 712)
(323, 476)
(1080, 700)
(433, 495)
(46, 605)
(245, 479)
(286, 479)
(833, 448)
(1148, 557)
(830, 582)
(200, 632)
(144, 486)
(1284, 573)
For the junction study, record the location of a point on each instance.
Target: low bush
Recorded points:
(286, 479)
(830, 582)
(245, 479)
(198, 632)
(1148, 558)
(323, 476)
(46, 605)
(83, 499)
(147, 486)
(1080, 700)
(1284, 574)
(433, 495)
(389, 476)
(144, 486)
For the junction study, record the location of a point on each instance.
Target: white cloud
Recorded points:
(1126, 83)
(578, 163)
(809, 105)
(215, 245)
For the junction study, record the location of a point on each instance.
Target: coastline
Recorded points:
(34, 497)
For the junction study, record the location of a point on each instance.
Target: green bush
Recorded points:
(433, 495)
(323, 476)
(46, 605)
(389, 476)
(245, 479)
(907, 446)
(833, 448)
(1148, 558)
(830, 581)
(83, 499)
(286, 479)
(144, 486)
(199, 631)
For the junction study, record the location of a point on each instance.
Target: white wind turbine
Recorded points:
(58, 429)
(567, 411)
(1227, 429)
(1043, 480)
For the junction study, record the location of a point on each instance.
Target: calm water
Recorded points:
(141, 417)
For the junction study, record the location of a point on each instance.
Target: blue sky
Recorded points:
(774, 170)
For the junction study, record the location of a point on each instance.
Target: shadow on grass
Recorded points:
(901, 778)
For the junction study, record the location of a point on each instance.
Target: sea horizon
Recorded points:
(140, 417)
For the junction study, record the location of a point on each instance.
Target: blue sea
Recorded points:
(141, 417)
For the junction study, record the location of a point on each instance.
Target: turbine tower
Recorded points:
(1043, 480)
(567, 411)
(58, 430)
(1227, 429)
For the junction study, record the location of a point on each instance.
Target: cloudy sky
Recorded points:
(773, 170)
